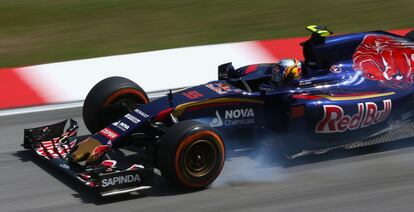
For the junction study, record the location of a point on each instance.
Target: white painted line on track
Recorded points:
(43, 108)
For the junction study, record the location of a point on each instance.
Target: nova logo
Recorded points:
(238, 113)
(234, 117)
(121, 125)
(216, 122)
(335, 120)
(120, 180)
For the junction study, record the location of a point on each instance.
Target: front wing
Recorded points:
(54, 144)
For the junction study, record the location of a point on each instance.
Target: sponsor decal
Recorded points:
(193, 94)
(335, 69)
(219, 88)
(217, 122)
(251, 69)
(141, 113)
(385, 59)
(334, 119)
(65, 166)
(305, 82)
(108, 133)
(234, 117)
(119, 180)
(132, 118)
(121, 125)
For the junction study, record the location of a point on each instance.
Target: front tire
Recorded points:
(109, 100)
(191, 155)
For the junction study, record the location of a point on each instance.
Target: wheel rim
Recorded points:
(200, 158)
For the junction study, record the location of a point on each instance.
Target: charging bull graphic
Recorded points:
(385, 59)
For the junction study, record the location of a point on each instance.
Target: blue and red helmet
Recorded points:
(286, 70)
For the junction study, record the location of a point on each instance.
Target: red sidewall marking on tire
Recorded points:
(121, 92)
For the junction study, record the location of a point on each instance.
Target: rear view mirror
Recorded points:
(224, 70)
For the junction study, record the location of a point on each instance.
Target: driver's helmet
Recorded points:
(286, 70)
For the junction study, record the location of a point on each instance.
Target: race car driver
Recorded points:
(285, 71)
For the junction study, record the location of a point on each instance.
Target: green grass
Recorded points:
(42, 31)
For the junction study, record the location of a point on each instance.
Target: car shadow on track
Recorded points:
(85, 194)
(163, 188)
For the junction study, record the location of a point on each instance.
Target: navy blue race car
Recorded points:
(351, 91)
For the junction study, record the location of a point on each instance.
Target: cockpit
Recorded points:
(326, 60)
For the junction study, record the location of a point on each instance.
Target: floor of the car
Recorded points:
(395, 132)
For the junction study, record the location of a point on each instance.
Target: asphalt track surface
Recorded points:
(371, 179)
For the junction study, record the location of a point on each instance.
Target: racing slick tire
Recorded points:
(190, 155)
(109, 100)
(410, 35)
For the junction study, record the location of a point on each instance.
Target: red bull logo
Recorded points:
(335, 120)
(100, 150)
(386, 59)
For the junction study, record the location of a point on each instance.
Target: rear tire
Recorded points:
(190, 155)
(109, 100)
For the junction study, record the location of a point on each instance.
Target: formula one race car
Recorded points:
(351, 91)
